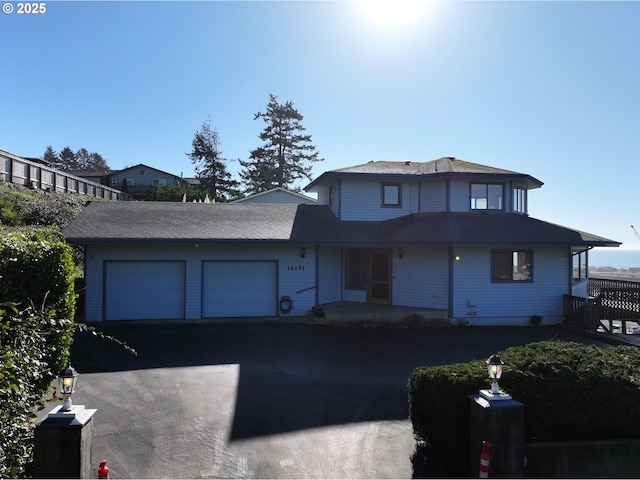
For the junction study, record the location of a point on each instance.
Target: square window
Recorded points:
(511, 266)
(487, 196)
(391, 195)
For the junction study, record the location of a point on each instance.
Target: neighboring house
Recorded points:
(141, 179)
(447, 235)
(96, 176)
(278, 195)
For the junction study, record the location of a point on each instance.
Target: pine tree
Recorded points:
(90, 160)
(211, 166)
(67, 160)
(286, 154)
(50, 156)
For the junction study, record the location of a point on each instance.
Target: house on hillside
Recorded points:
(278, 195)
(140, 180)
(447, 236)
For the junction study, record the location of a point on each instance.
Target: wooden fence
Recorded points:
(14, 169)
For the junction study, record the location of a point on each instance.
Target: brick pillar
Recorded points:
(501, 423)
(62, 447)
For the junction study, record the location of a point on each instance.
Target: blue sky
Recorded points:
(551, 89)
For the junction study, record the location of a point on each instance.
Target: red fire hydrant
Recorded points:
(103, 470)
(485, 458)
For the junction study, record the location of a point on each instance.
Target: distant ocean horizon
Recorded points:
(614, 257)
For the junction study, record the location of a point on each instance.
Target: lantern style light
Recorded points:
(494, 368)
(67, 385)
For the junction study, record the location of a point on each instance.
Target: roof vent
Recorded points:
(407, 162)
(451, 158)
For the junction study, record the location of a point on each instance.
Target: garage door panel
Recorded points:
(144, 290)
(239, 289)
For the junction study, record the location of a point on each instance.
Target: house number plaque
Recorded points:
(295, 267)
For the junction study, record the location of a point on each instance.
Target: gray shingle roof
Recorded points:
(176, 221)
(440, 166)
(200, 222)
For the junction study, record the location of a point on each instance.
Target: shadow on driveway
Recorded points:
(299, 376)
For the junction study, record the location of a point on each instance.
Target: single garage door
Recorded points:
(239, 289)
(144, 290)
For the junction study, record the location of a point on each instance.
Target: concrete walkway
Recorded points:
(266, 400)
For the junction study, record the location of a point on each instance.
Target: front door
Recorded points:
(380, 277)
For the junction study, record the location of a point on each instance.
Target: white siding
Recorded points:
(433, 196)
(362, 200)
(330, 274)
(295, 273)
(459, 193)
(420, 278)
(480, 302)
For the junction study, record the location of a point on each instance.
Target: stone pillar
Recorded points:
(501, 423)
(62, 447)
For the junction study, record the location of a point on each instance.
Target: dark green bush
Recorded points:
(31, 343)
(36, 270)
(569, 390)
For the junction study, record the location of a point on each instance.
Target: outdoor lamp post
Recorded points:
(494, 369)
(67, 384)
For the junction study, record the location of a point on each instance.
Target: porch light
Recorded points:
(400, 252)
(67, 384)
(303, 252)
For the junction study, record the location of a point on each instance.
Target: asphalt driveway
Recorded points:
(266, 400)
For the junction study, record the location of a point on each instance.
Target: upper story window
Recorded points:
(160, 181)
(391, 195)
(519, 200)
(511, 265)
(487, 196)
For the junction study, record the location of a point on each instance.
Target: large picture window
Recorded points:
(487, 196)
(511, 266)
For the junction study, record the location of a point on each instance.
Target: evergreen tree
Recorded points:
(67, 160)
(286, 153)
(90, 160)
(50, 156)
(211, 166)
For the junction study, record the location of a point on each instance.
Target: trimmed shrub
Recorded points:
(31, 343)
(36, 270)
(569, 391)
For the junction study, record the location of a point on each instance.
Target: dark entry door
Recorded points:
(380, 277)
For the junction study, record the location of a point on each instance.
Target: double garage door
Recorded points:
(146, 290)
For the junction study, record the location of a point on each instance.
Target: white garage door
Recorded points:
(239, 289)
(144, 290)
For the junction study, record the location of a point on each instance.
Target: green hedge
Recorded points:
(37, 303)
(36, 269)
(569, 390)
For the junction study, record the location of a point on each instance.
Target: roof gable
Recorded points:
(277, 195)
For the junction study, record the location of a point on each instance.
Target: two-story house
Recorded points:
(446, 235)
